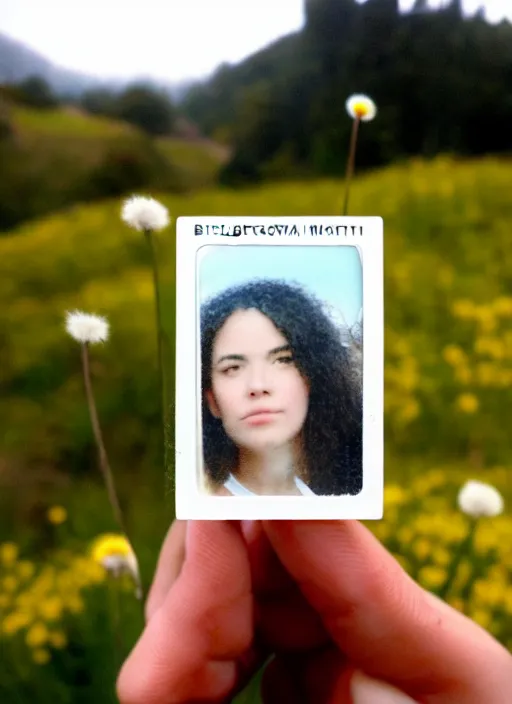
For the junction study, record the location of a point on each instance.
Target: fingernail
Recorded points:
(366, 690)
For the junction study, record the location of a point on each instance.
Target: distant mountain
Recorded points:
(18, 62)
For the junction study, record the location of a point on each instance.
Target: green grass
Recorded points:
(59, 157)
(65, 122)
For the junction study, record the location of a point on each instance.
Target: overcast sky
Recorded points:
(164, 39)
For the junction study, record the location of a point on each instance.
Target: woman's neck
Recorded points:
(270, 473)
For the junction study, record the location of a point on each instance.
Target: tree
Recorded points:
(147, 108)
(36, 92)
(98, 101)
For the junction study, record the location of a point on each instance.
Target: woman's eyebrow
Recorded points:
(237, 357)
(243, 358)
(282, 348)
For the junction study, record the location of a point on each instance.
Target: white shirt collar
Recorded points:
(238, 489)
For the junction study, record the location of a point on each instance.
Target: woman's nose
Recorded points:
(258, 382)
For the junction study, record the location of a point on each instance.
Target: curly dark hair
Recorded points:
(332, 432)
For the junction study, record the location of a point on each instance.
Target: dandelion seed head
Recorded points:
(477, 499)
(84, 327)
(144, 213)
(361, 106)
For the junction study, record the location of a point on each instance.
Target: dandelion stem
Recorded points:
(464, 548)
(160, 339)
(102, 453)
(350, 163)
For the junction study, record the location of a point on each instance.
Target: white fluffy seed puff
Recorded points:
(84, 327)
(361, 106)
(477, 499)
(144, 213)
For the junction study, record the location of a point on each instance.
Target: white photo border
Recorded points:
(366, 233)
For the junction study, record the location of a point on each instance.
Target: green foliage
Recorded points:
(35, 91)
(142, 106)
(294, 91)
(56, 157)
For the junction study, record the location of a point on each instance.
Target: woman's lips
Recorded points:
(261, 417)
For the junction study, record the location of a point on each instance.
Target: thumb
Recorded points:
(383, 621)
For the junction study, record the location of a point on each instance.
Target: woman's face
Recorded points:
(257, 390)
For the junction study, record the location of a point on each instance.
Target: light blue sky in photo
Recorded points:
(333, 274)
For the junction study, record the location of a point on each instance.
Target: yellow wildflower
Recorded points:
(486, 374)
(109, 544)
(10, 583)
(25, 569)
(14, 622)
(503, 306)
(57, 515)
(486, 318)
(464, 571)
(464, 309)
(394, 495)
(467, 403)
(37, 635)
(432, 576)
(114, 553)
(405, 535)
(58, 639)
(422, 548)
(40, 656)
(8, 553)
(482, 617)
(463, 375)
(441, 556)
(485, 539)
(409, 411)
(490, 346)
(454, 355)
(74, 603)
(51, 609)
(487, 593)
(4, 600)
(507, 600)
(95, 573)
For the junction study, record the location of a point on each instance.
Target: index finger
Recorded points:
(198, 644)
(384, 621)
(170, 562)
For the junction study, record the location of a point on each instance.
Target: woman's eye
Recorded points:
(230, 370)
(285, 360)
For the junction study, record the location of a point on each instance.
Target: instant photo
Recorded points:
(279, 368)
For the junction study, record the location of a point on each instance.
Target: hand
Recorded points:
(327, 598)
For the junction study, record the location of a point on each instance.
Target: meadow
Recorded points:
(448, 374)
(54, 158)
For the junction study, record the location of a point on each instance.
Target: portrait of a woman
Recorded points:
(281, 395)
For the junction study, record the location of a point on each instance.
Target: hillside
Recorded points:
(56, 157)
(448, 272)
(283, 108)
